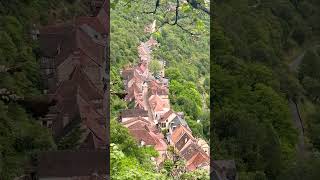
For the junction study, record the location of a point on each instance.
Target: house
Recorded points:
(196, 158)
(77, 100)
(65, 46)
(176, 122)
(166, 119)
(133, 113)
(142, 69)
(161, 91)
(186, 146)
(127, 74)
(82, 41)
(204, 145)
(180, 137)
(158, 105)
(134, 91)
(140, 121)
(146, 134)
(73, 62)
(151, 43)
(199, 160)
(164, 81)
(136, 79)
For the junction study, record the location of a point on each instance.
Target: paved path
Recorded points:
(294, 109)
(294, 65)
(145, 95)
(296, 118)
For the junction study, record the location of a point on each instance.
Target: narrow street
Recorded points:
(145, 95)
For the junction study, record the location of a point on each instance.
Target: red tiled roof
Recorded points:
(151, 42)
(136, 120)
(143, 135)
(156, 103)
(127, 73)
(69, 38)
(93, 22)
(79, 77)
(134, 113)
(79, 83)
(160, 91)
(52, 36)
(133, 91)
(179, 132)
(166, 115)
(160, 143)
(198, 159)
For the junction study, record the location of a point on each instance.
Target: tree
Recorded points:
(174, 13)
(310, 66)
(155, 67)
(196, 174)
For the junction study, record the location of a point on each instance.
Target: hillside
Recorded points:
(21, 100)
(187, 68)
(265, 108)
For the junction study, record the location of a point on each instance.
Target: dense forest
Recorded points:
(21, 136)
(265, 71)
(187, 67)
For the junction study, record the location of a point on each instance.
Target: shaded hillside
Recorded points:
(21, 136)
(253, 41)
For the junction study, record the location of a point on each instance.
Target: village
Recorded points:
(152, 121)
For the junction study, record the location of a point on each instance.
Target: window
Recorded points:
(65, 120)
(48, 71)
(49, 125)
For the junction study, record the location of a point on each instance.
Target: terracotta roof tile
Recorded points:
(127, 74)
(143, 135)
(197, 160)
(134, 113)
(165, 116)
(179, 132)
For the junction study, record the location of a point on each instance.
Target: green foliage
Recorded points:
(314, 129)
(250, 82)
(71, 140)
(196, 174)
(155, 67)
(309, 74)
(128, 167)
(310, 65)
(127, 160)
(168, 165)
(21, 136)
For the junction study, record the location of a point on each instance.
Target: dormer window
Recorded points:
(59, 49)
(65, 120)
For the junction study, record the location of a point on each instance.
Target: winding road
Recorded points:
(296, 118)
(294, 65)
